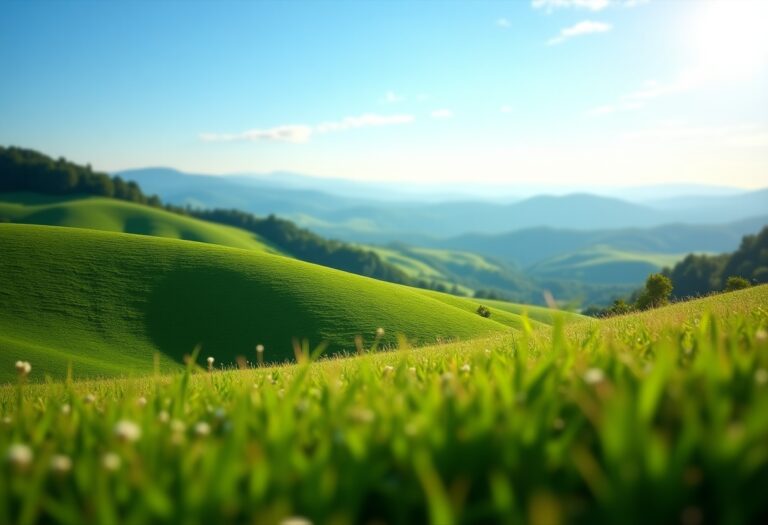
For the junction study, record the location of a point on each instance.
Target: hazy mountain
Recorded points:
(355, 211)
(530, 246)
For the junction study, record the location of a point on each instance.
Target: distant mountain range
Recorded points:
(366, 218)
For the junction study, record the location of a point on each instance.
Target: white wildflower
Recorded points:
(163, 416)
(66, 409)
(761, 336)
(202, 429)
(467, 368)
(19, 455)
(210, 363)
(111, 461)
(260, 349)
(295, 520)
(388, 369)
(89, 398)
(61, 464)
(379, 332)
(594, 376)
(127, 431)
(23, 368)
(761, 376)
(142, 401)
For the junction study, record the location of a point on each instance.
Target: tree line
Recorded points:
(697, 276)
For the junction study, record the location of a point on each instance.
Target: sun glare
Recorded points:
(731, 38)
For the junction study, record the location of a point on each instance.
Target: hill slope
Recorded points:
(101, 213)
(108, 301)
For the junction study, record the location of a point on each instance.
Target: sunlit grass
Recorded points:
(656, 418)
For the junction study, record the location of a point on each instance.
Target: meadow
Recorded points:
(107, 302)
(658, 417)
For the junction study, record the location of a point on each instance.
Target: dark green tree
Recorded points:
(658, 288)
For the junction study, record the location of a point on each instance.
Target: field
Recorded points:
(660, 417)
(106, 303)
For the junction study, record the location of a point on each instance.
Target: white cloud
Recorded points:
(363, 121)
(300, 133)
(551, 5)
(591, 5)
(442, 113)
(503, 23)
(294, 133)
(390, 97)
(585, 27)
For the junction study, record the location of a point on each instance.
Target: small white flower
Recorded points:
(177, 426)
(761, 336)
(295, 520)
(594, 376)
(163, 416)
(210, 363)
(260, 349)
(466, 368)
(761, 376)
(66, 409)
(61, 464)
(202, 429)
(23, 368)
(142, 401)
(379, 332)
(88, 399)
(111, 461)
(388, 369)
(19, 455)
(127, 431)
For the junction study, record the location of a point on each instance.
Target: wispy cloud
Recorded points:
(503, 23)
(585, 27)
(591, 5)
(295, 133)
(685, 81)
(390, 97)
(300, 133)
(363, 121)
(551, 5)
(442, 113)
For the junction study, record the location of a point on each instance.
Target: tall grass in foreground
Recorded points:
(627, 426)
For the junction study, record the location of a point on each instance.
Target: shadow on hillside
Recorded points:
(227, 313)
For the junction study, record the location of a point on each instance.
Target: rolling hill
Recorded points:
(101, 213)
(107, 302)
(604, 265)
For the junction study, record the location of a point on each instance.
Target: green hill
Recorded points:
(108, 301)
(102, 213)
(602, 264)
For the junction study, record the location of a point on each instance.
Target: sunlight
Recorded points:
(730, 38)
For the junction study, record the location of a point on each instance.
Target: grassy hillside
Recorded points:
(101, 213)
(659, 417)
(603, 264)
(108, 301)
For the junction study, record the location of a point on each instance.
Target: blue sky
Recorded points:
(552, 92)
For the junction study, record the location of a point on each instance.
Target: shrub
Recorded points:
(483, 311)
(658, 288)
(736, 283)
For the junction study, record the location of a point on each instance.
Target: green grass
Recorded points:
(659, 417)
(99, 213)
(604, 265)
(106, 302)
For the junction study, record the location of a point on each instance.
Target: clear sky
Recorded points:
(619, 92)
